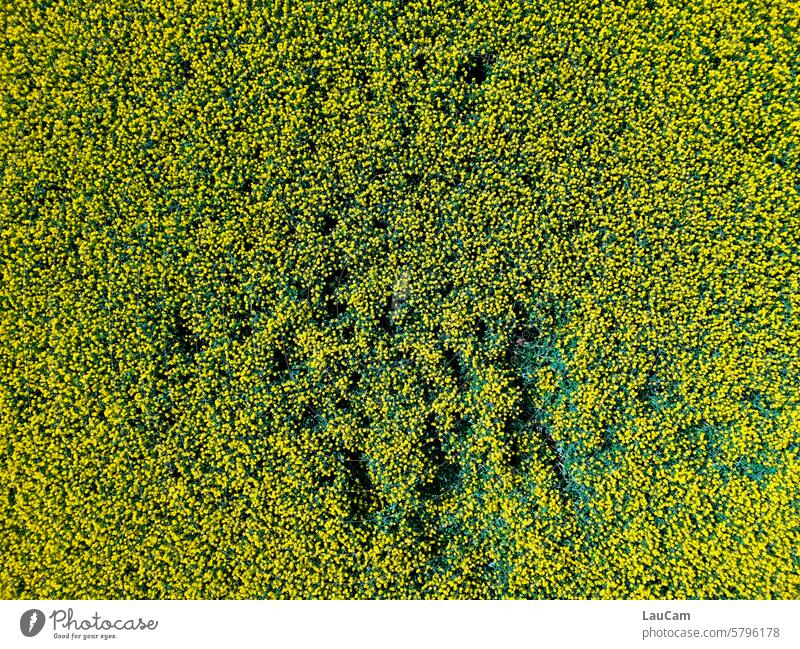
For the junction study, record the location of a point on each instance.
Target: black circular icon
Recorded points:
(31, 622)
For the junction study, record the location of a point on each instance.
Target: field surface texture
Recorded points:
(453, 299)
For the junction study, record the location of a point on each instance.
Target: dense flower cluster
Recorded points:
(437, 298)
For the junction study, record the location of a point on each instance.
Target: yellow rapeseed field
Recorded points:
(424, 299)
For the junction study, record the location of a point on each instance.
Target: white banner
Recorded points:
(356, 624)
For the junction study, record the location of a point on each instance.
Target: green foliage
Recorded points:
(464, 299)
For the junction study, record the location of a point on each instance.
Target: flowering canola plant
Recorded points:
(425, 299)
